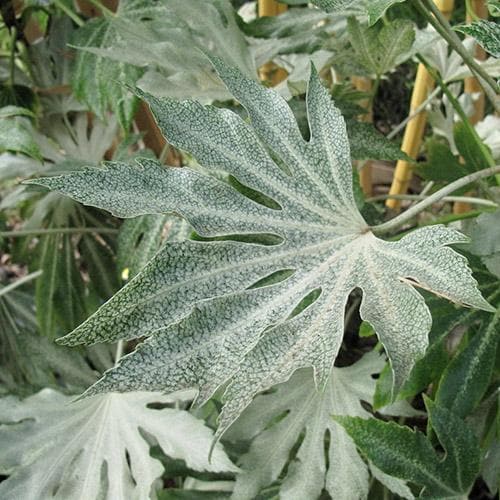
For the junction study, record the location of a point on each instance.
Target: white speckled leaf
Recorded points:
(94, 448)
(304, 409)
(378, 49)
(238, 332)
(374, 8)
(487, 33)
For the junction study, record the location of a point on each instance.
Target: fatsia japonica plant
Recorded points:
(259, 326)
(250, 310)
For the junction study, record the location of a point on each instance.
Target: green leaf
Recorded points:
(491, 467)
(200, 302)
(377, 8)
(447, 320)
(99, 82)
(487, 33)
(378, 49)
(374, 8)
(16, 133)
(29, 361)
(52, 68)
(469, 148)
(409, 455)
(331, 5)
(69, 292)
(61, 287)
(60, 291)
(441, 165)
(365, 141)
(10, 111)
(485, 236)
(466, 379)
(167, 39)
(368, 143)
(47, 284)
(276, 422)
(107, 456)
(493, 7)
(287, 24)
(100, 262)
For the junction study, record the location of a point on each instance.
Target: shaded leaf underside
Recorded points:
(94, 448)
(277, 420)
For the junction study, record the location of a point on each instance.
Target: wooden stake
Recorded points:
(366, 172)
(270, 72)
(414, 132)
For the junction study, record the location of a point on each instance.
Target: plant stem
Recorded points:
(19, 282)
(463, 199)
(105, 11)
(394, 132)
(470, 10)
(445, 219)
(440, 23)
(56, 230)
(67, 124)
(374, 91)
(12, 56)
(433, 198)
(72, 15)
(120, 346)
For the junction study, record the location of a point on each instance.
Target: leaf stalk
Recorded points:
(401, 219)
(441, 25)
(56, 230)
(19, 282)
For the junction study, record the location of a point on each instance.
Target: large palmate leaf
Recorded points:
(379, 49)
(51, 68)
(94, 448)
(302, 30)
(98, 81)
(163, 38)
(234, 328)
(302, 408)
(450, 65)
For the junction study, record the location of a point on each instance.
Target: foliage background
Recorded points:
(66, 104)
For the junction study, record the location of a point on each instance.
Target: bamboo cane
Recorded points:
(472, 86)
(366, 172)
(270, 72)
(414, 132)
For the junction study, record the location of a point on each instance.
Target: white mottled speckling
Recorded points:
(205, 326)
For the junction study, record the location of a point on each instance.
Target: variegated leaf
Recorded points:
(202, 304)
